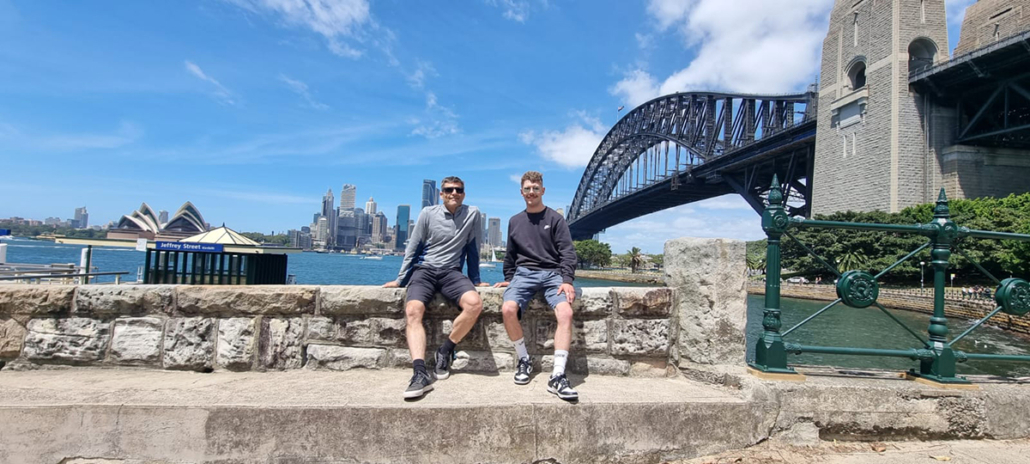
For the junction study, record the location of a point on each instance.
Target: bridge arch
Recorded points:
(665, 140)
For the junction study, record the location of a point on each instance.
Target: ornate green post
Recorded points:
(770, 355)
(940, 368)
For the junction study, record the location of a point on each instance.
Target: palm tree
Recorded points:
(852, 260)
(636, 259)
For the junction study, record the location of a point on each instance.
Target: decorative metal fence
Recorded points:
(196, 268)
(859, 289)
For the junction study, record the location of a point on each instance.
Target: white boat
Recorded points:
(493, 261)
(374, 257)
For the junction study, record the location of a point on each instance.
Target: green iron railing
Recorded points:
(860, 289)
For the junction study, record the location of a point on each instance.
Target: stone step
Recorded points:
(359, 416)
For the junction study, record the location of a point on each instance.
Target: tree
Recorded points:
(593, 253)
(636, 258)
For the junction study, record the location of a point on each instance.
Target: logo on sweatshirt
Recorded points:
(547, 226)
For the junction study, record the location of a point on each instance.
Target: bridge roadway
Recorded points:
(304, 416)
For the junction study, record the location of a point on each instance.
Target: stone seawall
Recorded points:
(639, 278)
(911, 301)
(618, 331)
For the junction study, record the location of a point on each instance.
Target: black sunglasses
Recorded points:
(453, 189)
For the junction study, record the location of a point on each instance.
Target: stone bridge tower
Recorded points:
(876, 139)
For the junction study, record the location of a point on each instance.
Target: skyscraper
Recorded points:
(429, 193)
(347, 195)
(482, 220)
(494, 236)
(330, 215)
(327, 204)
(403, 213)
(379, 227)
(81, 218)
(370, 207)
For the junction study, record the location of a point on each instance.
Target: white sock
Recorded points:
(520, 348)
(560, 356)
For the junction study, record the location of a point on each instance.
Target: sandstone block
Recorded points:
(12, 335)
(640, 337)
(233, 300)
(398, 357)
(236, 343)
(643, 302)
(474, 339)
(190, 343)
(586, 335)
(492, 299)
(592, 302)
(497, 337)
(389, 332)
(35, 300)
(124, 300)
(341, 358)
(137, 341)
(75, 340)
(710, 298)
(352, 300)
(486, 361)
(379, 331)
(280, 343)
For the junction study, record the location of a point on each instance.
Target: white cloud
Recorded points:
(417, 79)
(516, 178)
(335, 20)
(515, 10)
(14, 138)
(301, 89)
(754, 46)
(571, 147)
(221, 93)
(439, 120)
(695, 220)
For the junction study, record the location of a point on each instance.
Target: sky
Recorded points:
(253, 109)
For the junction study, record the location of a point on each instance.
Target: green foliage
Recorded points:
(20, 230)
(593, 253)
(658, 260)
(874, 251)
(278, 239)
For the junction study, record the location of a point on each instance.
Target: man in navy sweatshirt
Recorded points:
(539, 256)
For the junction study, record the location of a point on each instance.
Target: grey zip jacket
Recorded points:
(441, 240)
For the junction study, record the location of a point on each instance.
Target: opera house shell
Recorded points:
(144, 223)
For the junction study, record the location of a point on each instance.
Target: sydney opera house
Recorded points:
(144, 223)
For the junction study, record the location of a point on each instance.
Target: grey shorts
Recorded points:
(425, 282)
(527, 282)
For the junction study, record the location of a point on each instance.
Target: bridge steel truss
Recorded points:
(687, 147)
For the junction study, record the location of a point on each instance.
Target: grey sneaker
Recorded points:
(443, 365)
(420, 384)
(560, 386)
(523, 370)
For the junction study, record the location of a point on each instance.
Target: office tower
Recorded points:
(494, 237)
(347, 229)
(379, 229)
(294, 236)
(483, 223)
(330, 215)
(403, 215)
(162, 217)
(322, 232)
(371, 206)
(347, 195)
(429, 193)
(81, 218)
(327, 204)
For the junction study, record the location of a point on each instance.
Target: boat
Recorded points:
(493, 261)
(374, 257)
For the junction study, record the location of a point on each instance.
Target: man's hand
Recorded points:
(569, 291)
(501, 284)
(483, 284)
(391, 284)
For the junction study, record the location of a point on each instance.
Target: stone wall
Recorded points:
(988, 21)
(617, 331)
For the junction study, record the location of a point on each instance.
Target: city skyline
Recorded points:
(250, 109)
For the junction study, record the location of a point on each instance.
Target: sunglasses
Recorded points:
(532, 189)
(459, 190)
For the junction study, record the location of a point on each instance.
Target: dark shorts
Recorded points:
(425, 282)
(527, 282)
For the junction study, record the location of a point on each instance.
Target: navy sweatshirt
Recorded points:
(541, 242)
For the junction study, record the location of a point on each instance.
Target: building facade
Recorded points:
(430, 194)
(371, 208)
(348, 194)
(403, 215)
(494, 232)
(81, 218)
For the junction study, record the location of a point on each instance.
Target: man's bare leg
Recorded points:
(414, 331)
(471, 307)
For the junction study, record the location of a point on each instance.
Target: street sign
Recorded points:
(191, 247)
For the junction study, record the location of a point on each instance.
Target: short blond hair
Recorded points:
(532, 176)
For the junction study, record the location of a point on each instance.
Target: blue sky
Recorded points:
(252, 109)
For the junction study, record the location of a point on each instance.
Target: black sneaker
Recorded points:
(443, 364)
(420, 384)
(560, 386)
(523, 370)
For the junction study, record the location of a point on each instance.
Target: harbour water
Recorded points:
(839, 326)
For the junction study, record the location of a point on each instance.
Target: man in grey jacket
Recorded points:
(444, 237)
